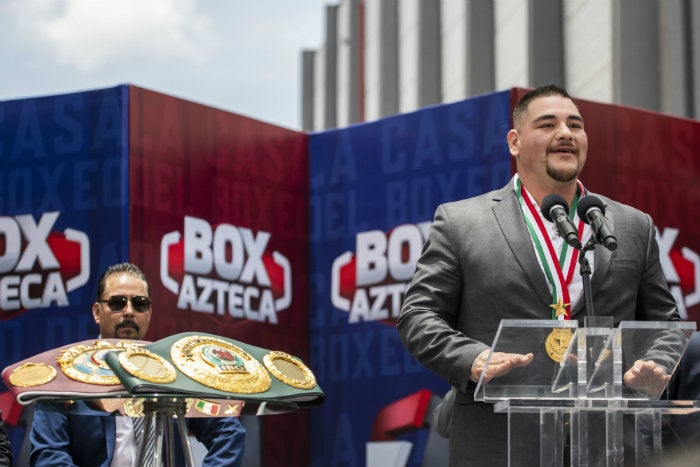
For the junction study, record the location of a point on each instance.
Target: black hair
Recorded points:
(121, 268)
(542, 91)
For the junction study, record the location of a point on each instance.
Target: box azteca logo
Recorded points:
(225, 270)
(39, 266)
(681, 267)
(371, 283)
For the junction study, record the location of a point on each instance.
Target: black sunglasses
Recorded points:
(117, 303)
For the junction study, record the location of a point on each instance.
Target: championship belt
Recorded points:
(73, 371)
(214, 368)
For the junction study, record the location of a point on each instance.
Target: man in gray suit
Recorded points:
(488, 258)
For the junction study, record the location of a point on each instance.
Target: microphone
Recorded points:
(555, 209)
(592, 211)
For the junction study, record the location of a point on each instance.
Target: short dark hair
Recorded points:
(542, 91)
(121, 268)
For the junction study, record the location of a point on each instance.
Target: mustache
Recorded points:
(563, 147)
(128, 323)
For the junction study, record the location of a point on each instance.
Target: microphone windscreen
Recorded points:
(588, 202)
(549, 202)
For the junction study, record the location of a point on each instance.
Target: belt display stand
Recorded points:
(165, 382)
(160, 415)
(572, 396)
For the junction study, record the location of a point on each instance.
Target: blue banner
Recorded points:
(374, 190)
(63, 216)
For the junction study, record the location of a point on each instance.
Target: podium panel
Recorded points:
(574, 404)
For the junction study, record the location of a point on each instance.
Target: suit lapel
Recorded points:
(602, 258)
(510, 218)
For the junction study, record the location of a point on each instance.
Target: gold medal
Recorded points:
(32, 374)
(219, 364)
(289, 370)
(147, 366)
(86, 363)
(557, 342)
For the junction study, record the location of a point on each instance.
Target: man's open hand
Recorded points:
(500, 364)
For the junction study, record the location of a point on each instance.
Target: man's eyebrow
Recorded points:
(553, 117)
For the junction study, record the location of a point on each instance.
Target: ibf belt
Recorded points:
(86, 363)
(219, 364)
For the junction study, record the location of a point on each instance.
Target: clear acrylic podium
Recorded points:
(570, 405)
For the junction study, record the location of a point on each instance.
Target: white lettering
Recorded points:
(249, 302)
(17, 292)
(377, 303)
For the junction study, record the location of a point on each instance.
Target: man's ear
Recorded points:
(513, 139)
(96, 312)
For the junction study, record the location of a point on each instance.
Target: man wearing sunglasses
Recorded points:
(123, 311)
(123, 307)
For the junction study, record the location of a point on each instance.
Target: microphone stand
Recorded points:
(585, 271)
(591, 319)
(596, 332)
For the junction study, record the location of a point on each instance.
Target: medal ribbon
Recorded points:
(553, 267)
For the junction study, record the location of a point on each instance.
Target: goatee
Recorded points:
(562, 175)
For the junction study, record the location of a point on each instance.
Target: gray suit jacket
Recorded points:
(478, 266)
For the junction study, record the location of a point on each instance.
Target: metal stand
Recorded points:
(585, 271)
(161, 414)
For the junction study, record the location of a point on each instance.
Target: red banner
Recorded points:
(219, 223)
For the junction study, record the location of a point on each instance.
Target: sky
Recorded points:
(242, 56)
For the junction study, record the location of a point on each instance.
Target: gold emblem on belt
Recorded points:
(32, 374)
(219, 364)
(86, 363)
(289, 370)
(147, 366)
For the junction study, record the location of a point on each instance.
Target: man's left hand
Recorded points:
(646, 377)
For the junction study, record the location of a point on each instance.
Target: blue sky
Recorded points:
(238, 55)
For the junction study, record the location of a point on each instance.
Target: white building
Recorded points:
(383, 57)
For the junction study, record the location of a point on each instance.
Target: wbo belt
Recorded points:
(72, 371)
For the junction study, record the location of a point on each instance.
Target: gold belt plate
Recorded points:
(86, 363)
(219, 364)
(32, 374)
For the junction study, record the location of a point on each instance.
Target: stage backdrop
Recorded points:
(213, 206)
(293, 242)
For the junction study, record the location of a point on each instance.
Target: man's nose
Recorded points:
(563, 131)
(128, 309)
